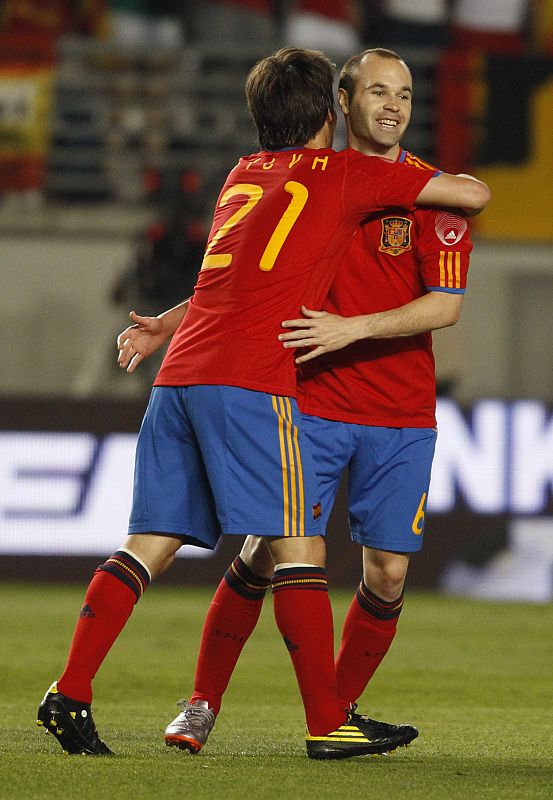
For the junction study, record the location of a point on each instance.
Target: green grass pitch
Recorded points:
(476, 678)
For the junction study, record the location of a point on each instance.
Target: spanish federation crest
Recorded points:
(396, 235)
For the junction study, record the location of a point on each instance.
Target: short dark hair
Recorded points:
(289, 96)
(347, 73)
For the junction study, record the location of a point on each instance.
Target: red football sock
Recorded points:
(231, 619)
(304, 618)
(111, 595)
(369, 629)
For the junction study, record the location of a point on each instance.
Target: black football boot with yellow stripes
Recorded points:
(360, 736)
(71, 723)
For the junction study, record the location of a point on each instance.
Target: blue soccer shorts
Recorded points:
(219, 459)
(388, 479)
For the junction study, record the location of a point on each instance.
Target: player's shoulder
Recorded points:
(375, 161)
(349, 155)
(412, 160)
(248, 159)
(353, 161)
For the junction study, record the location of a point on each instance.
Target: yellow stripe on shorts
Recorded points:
(292, 471)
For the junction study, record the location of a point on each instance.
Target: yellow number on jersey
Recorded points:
(285, 224)
(254, 194)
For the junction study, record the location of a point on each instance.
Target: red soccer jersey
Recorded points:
(282, 223)
(395, 258)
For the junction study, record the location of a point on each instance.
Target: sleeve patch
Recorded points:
(450, 227)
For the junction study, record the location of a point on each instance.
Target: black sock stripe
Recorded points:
(312, 578)
(249, 577)
(374, 605)
(244, 582)
(300, 571)
(128, 570)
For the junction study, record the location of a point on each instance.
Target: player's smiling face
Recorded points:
(379, 109)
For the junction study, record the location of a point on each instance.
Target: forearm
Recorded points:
(456, 191)
(432, 311)
(324, 332)
(470, 212)
(172, 318)
(147, 334)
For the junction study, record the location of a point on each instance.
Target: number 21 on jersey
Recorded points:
(253, 193)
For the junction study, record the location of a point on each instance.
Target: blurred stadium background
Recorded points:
(118, 122)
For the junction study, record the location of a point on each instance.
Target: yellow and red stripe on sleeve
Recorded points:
(415, 161)
(450, 269)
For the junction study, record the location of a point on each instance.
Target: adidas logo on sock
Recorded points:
(86, 611)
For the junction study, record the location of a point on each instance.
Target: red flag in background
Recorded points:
(27, 65)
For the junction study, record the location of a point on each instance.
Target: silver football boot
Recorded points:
(189, 731)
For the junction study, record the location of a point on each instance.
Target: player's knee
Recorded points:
(163, 564)
(256, 556)
(157, 553)
(385, 576)
(390, 586)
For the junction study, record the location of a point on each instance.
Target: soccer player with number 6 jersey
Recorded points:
(221, 449)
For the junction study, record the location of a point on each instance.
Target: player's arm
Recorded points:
(461, 191)
(325, 332)
(147, 334)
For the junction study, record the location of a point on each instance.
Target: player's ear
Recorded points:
(343, 101)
